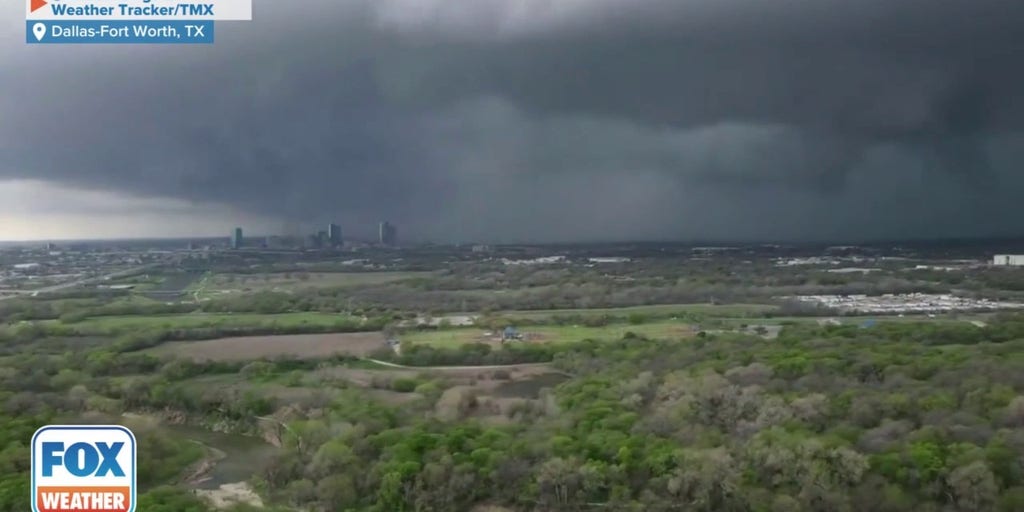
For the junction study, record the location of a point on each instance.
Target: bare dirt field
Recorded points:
(480, 379)
(257, 347)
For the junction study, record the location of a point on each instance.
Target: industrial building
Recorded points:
(388, 234)
(1012, 260)
(906, 303)
(236, 238)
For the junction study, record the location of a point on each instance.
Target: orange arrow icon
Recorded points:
(37, 4)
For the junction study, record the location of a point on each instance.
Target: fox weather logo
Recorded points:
(83, 468)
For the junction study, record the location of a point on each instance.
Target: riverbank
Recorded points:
(229, 462)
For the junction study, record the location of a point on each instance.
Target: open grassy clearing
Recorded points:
(136, 299)
(550, 333)
(312, 346)
(667, 329)
(107, 324)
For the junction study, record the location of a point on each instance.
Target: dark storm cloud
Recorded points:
(538, 119)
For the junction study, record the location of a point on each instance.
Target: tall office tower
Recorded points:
(334, 234)
(388, 234)
(236, 238)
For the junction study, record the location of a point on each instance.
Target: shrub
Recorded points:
(404, 385)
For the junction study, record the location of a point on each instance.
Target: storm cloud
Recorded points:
(539, 120)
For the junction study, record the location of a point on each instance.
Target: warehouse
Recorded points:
(1013, 260)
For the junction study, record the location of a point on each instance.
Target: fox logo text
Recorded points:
(83, 468)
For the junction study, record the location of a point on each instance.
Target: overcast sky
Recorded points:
(529, 120)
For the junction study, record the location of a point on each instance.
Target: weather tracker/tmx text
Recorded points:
(177, 9)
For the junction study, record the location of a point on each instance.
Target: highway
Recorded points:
(78, 282)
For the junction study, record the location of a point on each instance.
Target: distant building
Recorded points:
(275, 242)
(388, 234)
(481, 248)
(317, 240)
(1013, 260)
(236, 238)
(334, 234)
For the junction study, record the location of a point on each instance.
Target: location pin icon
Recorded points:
(39, 30)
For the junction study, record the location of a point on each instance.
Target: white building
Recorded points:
(1014, 260)
(609, 259)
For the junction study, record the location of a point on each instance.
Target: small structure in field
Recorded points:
(395, 345)
(510, 334)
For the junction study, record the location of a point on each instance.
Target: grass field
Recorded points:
(114, 324)
(664, 329)
(257, 347)
(550, 333)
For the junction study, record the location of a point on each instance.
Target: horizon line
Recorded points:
(678, 241)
